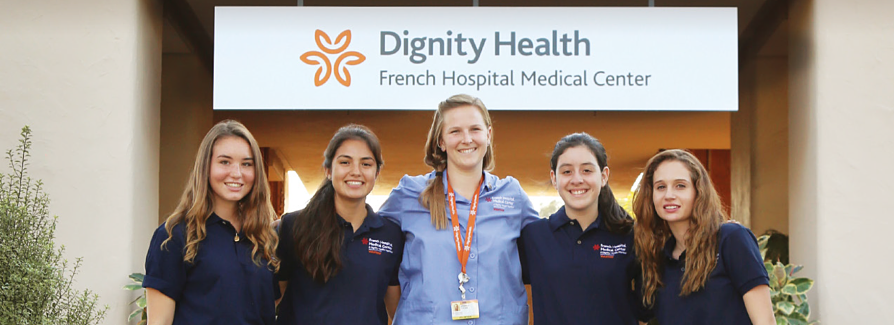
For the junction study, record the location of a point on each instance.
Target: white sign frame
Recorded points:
(662, 59)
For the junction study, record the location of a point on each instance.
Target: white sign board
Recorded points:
(512, 58)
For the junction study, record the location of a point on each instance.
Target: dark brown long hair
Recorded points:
(432, 196)
(651, 232)
(616, 219)
(255, 210)
(317, 234)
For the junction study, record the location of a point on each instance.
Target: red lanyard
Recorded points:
(462, 251)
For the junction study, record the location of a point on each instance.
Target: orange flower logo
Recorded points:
(326, 68)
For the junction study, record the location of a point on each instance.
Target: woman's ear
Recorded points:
(552, 178)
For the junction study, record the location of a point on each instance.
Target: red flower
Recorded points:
(596, 247)
(365, 241)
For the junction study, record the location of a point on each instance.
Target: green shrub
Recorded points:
(36, 282)
(787, 293)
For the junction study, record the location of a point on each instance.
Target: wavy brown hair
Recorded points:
(651, 232)
(255, 210)
(432, 196)
(317, 234)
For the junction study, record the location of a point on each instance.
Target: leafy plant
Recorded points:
(140, 312)
(35, 280)
(787, 292)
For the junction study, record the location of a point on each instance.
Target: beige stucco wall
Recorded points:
(85, 76)
(841, 108)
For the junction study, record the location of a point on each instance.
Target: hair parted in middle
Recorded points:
(196, 203)
(316, 231)
(651, 232)
(432, 196)
(615, 217)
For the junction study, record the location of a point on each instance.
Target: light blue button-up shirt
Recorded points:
(428, 272)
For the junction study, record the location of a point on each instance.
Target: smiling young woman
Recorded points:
(580, 262)
(696, 269)
(339, 258)
(218, 242)
(457, 264)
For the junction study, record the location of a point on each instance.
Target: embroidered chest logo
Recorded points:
(609, 251)
(378, 247)
(501, 203)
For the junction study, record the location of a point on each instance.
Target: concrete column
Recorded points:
(841, 108)
(759, 146)
(769, 155)
(741, 147)
(186, 115)
(85, 75)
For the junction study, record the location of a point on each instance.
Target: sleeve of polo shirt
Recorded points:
(165, 268)
(742, 259)
(392, 207)
(285, 249)
(528, 213)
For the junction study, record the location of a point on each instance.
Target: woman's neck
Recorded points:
(584, 217)
(680, 230)
(353, 211)
(227, 211)
(464, 182)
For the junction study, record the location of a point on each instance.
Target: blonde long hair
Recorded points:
(651, 232)
(432, 196)
(196, 203)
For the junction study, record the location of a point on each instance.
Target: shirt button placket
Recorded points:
(472, 268)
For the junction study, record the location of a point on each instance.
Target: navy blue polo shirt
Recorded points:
(739, 269)
(579, 276)
(222, 286)
(356, 294)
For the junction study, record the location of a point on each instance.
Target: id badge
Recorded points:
(464, 309)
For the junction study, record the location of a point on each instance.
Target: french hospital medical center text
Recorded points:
(418, 49)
